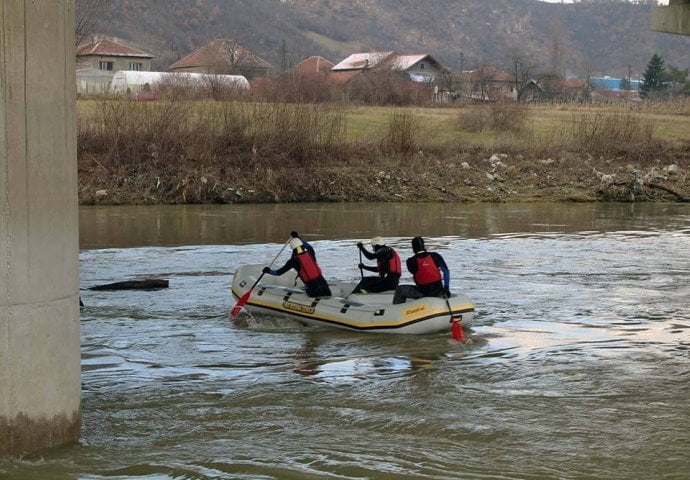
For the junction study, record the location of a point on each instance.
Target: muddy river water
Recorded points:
(577, 365)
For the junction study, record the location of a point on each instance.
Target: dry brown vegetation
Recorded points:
(182, 151)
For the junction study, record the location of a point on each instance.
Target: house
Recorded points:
(98, 60)
(308, 81)
(554, 90)
(488, 83)
(223, 56)
(315, 66)
(362, 61)
(420, 68)
(387, 77)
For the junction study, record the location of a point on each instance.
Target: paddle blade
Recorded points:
(240, 303)
(456, 331)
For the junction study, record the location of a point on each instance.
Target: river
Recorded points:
(577, 365)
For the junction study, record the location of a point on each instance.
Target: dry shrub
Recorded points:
(618, 134)
(385, 88)
(295, 88)
(127, 130)
(498, 116)
(299, 132)
(180, 86)
(401, 135)
(473, 119)
(676, 106)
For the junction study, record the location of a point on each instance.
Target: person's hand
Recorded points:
(266, 270)
(360, 266)
(360, 246)
(446, 292)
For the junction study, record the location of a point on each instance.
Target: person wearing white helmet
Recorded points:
(303, 260)
(387, 266)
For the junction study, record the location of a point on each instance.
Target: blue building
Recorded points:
(613, 84)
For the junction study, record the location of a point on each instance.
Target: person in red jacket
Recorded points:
(430, 272)
(303, 260)
(387, 266)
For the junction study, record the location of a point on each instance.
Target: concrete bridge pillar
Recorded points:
(40, 394)
(674, 18)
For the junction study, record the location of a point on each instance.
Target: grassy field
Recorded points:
(443, 123)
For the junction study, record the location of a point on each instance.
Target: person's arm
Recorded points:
(412, 266)
(367, 254)
(291, 263)
(441, 263)
(368, 268)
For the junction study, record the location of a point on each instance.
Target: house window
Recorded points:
(421, 66)
(135, 66)
(104, 65)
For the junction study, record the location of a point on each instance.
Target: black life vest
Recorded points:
(427, 270)
(308, 268)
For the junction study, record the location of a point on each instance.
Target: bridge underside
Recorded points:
(674, 18)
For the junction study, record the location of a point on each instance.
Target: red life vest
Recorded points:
(308, 269)
(427, 270)
(394, 265)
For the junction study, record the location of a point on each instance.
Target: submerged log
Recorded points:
(665, 188)
(147, 284)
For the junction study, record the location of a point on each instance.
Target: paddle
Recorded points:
(361, 270)
(244, 298)
(455, 327)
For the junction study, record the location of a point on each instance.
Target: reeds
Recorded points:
(128, 131)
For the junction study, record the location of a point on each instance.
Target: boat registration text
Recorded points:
(296, 307)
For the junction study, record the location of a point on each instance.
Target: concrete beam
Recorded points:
(674, 18)
(40, 392)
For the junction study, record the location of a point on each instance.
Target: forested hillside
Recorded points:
(589, 37)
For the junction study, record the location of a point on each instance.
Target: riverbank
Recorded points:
(177, 153)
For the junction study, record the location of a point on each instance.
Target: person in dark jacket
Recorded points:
(303, 260)
(430, 272)
(387, 266)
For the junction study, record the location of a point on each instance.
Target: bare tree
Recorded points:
(233, 59)
(557, 50)
(521, 68)
(587, 67)
(87, 14)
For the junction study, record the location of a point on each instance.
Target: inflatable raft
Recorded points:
(284, 296)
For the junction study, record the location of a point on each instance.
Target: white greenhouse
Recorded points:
(132, 81)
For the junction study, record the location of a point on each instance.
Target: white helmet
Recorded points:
(378, 241)
(295, 242)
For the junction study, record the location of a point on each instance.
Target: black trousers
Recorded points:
(404, 292)
(377, 284)
(318, 288)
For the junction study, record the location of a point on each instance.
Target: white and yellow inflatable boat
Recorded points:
(373, 312)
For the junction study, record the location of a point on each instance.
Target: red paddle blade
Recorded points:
(240, 303)
(456, 331)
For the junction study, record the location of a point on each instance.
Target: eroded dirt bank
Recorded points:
(497, 177)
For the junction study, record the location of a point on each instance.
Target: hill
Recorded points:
(596, 37)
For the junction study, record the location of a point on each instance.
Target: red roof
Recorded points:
(313, 65)
(488, 73)
(220, 50)
(110, 48)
